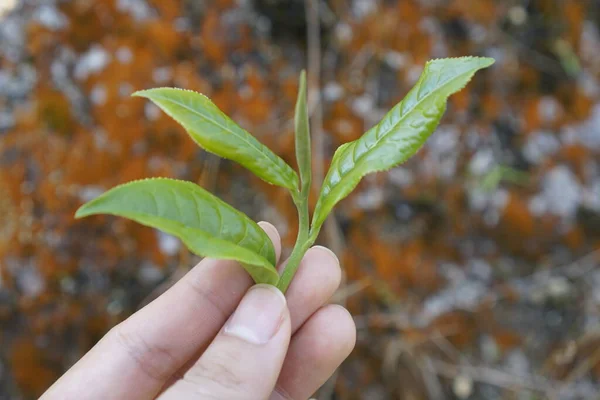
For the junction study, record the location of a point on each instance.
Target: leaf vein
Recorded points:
(253, 144)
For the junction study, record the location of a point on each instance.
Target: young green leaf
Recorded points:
(207, 225)
(302, 135)
(399, 134)
(214, 131)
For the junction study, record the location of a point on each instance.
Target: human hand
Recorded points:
(186, 344)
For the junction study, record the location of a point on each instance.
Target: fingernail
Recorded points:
(267, 225)
(331, 253)
(259, 315)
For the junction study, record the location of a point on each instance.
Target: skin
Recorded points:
(215, 336)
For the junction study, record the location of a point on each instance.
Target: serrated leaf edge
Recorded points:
(257, 145)
(80, 214)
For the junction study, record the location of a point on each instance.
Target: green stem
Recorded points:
(303, 242)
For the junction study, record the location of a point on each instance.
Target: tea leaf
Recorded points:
(214, 131)
(207, 225)
(302, 135)
(399, 134)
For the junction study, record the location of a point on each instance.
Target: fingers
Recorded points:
(315, 351)
(273, 234)
(136, 357)
(316, 280)
(324, 336)
(244, 360)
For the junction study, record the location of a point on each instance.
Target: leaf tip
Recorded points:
(487, 61)
(82, 211)
(142, 93)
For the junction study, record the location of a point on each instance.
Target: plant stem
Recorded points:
(303, 242)
(292, 265)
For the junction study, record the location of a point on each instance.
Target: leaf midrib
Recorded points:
(142, 215)
(418, 103)
(382, 137)
(206, 118)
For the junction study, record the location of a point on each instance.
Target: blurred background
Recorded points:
(471, 270)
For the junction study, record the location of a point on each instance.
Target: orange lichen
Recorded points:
(516, 215)
(212, 43)
(458, 327)
(30, 369)
(342, 123)
(577, 157)
(9, 220)
(481, 11)
(574, 238)
(574, 14)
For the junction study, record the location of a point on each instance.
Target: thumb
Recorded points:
(245, 358)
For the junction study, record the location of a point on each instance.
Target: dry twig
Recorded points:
(493, 377)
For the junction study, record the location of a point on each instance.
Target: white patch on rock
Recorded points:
(482, 161)
(588, 84)
(490, 203)
(395, 59)
(561, 191)
(162, 75)
(149, 274)
(444, 141)
(590, 41)
(125, 89)
(30, 281)
(124, 55)
(478, 33)
(138, 9)
(7, 120)
(549, 109)
(88, 193)
(151, 111)
(517, 15)
(333, 91)
(413, 74)
(589, 132)
(50, 17)
(558, 288)
(463, 295)
(343, 32)
(370, 199)
(363, 105)
(537, 205)
(517, 363)
(362, 8)
(168, 244)
(400, 176)
(12, 38)
(441, 159)
(539, 146)
(98, 95)
(480, 269)
(591, 197)
(91, 62)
